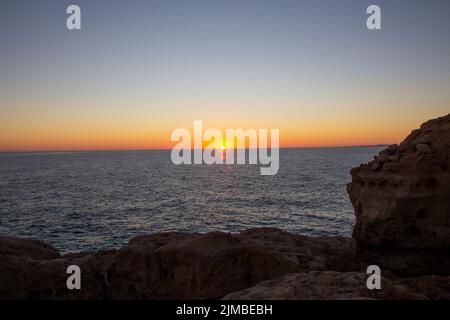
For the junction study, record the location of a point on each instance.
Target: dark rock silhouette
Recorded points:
(402, 203)
(325, 285)
(402, 198)
(171, 265)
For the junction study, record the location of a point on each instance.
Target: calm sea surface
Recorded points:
(98, 200)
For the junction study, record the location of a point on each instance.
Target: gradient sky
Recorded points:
(139, 69)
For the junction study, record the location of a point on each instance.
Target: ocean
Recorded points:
(83, 201)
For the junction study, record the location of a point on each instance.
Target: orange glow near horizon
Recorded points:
(128, 85)
(64, 137)
(88, 130)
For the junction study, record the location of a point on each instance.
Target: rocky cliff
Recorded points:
(402, 197)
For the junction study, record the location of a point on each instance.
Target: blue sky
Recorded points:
(162, 64)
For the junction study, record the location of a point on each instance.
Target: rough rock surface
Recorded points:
(434, 287)
(407, 262)
(324, 285)
(26, 249)
(401, 199)
(170, 265)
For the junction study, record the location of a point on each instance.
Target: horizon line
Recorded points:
(168, 149)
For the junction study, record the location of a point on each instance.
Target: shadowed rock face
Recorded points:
(324, 285)
(168, 265)
(255, 264)
(402, 198)
(211, 265)
(344, 285)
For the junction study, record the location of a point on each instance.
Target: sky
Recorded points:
(137, 70)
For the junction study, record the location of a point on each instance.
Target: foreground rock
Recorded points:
(255, 264)
(171, 265)
(434, 287)
(402, 203)
(324, 285)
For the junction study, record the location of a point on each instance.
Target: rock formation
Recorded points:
(168, 265)
(402, 198)
(324, 285)
(260, 263)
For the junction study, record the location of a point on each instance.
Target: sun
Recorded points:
(222, 148)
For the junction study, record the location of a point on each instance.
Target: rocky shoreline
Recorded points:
(402, 207)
